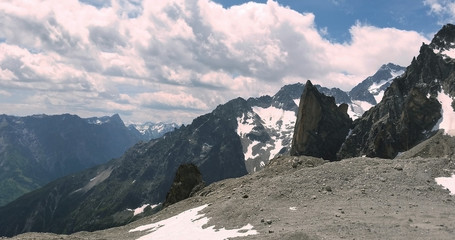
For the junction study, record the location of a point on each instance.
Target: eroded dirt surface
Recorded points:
(308, 198)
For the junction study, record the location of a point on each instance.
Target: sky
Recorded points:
(174, 60)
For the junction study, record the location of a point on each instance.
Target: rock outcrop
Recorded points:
(187, 181)
(321, 125)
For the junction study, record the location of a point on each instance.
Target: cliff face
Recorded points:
(321, 125)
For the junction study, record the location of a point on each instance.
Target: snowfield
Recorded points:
(447, 121)
(189, 225)
(447, 182)
(357, 108)
(278, 124)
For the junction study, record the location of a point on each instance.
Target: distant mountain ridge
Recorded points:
(40, 148)
(372, 88)
(150, 130)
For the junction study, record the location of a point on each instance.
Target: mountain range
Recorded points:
(241, 136)
(37, 149)
(238, 137)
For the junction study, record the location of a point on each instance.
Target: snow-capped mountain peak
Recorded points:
(371, 90)
(151, 130)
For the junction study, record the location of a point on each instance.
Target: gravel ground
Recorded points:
(308, 198)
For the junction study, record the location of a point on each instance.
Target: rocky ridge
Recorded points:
(410, 108)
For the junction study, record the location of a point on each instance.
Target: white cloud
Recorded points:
(444, 9)
(140, 58)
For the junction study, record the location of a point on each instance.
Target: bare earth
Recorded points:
(308, 198)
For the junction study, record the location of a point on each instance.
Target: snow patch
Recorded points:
(447, 182)
(276, 118)
(374, 88)
(141, 209)
(297, 101)
(278, 123)
(245, 124)
(277, 147)
(448, 53)
(357, 108)
(249, 152)
(188, 225)
(282, 123)
(97, 121)
(103, 175)
(447, 121)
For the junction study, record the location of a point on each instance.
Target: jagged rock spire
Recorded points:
(321, 125)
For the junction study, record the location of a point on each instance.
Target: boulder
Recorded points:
(187, 181)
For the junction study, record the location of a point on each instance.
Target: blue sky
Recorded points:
(174, 60)
(337, 16)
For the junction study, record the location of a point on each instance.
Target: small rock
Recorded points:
(245, 196)
(328, 188)
(269, 222)
(262, 220)
(271, 231)
(398, 167)
(313, 197)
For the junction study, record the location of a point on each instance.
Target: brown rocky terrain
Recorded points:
(310, 198)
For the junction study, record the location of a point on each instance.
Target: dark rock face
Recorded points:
(187, 181)
(409, 108)
(321, 125)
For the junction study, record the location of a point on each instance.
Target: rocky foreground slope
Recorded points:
(309, 198)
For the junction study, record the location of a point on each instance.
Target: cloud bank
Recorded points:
(174, 60)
